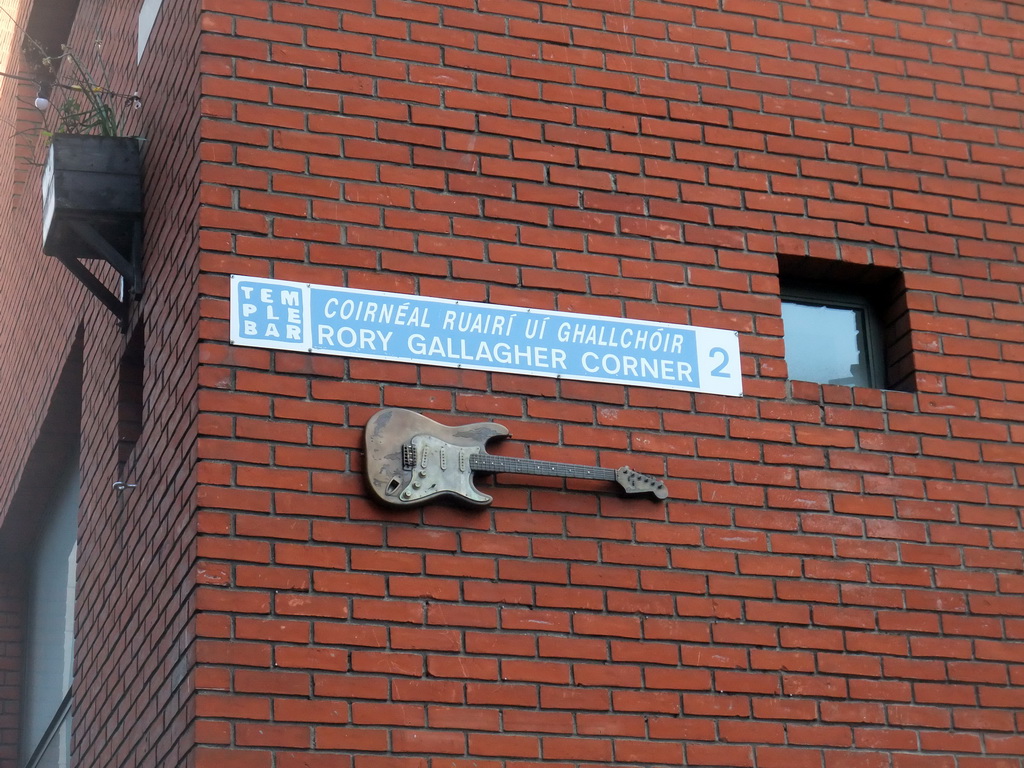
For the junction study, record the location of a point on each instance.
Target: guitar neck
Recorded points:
(486, 462)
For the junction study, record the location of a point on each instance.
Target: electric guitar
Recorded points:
(411, 460)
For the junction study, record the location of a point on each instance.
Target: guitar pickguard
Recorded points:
(438, 468)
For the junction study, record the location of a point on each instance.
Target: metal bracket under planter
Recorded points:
(92, 209)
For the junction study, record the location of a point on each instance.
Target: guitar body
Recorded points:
(411, 459)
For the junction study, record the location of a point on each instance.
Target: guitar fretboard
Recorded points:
(486, 462)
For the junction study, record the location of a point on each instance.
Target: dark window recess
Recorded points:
(38, 546)
(48, 29)
(845, 324)
(129, 394)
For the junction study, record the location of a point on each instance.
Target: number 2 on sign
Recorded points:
(720, 356)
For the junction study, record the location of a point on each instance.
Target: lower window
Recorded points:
(845, 324)
(49, 639)
(832, 339)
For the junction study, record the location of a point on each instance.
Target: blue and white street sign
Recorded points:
(275, 314)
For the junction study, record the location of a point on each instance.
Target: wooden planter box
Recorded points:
(92, 186)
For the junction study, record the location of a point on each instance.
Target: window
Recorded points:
(147, 18)
(832, 338)
(845, 324)
(39, 541)
(49, 639)
(49, 27)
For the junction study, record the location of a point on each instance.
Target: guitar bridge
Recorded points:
(408, 456)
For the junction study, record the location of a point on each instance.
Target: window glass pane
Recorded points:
(50, 635)
(57, 753)
(825, 344)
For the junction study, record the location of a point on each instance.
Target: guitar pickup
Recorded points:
(408, 456)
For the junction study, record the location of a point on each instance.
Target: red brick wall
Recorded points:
(136, 620)
(133, 609)
(836, 579)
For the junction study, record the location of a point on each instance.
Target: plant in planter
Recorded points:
(85, 105)
(91, 186)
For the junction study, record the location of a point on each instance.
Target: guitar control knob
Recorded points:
(417, 486)
(422, 473)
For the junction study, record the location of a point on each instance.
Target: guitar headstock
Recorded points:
(633, 482)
